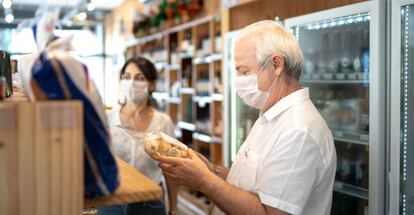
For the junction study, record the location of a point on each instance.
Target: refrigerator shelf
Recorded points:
(350, 190)
(351, 137)
(310, 81)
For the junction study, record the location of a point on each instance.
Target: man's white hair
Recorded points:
(271, 37)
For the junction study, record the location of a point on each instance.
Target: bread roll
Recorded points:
(163, 145)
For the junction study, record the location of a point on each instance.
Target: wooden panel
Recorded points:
(336, 3)
(26, 165)
(134, 187)
(8, 160)
(57, 126)
(39, 144)
(249, 13)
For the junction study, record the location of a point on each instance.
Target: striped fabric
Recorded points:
(59, 76)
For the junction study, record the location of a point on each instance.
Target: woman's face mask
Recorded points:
(247, 87)
(135, 91)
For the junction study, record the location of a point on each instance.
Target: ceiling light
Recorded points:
(81, 16)
(91, 6)
(9, 18)
(7, 4)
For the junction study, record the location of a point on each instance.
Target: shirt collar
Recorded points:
(286, 102)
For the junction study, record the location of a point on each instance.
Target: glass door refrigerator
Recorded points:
(239, 117)
(341, 70)
(402, 108)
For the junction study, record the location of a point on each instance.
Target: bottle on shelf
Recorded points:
(217, 82)
(321, 65)
(334, 55)
(365, 56)
(345, 51)
(309, 63)
(3, 87)
(357, 47)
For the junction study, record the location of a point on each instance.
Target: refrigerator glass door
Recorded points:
(240, 117)
(337, 72)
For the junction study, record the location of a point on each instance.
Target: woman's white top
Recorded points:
(128, 144)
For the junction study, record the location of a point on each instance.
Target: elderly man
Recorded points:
(287, 163)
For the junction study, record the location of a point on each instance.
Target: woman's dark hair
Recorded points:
(147, 68)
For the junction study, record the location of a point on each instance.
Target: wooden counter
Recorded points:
(134, 187)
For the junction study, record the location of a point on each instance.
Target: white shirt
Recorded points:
(288, 159)
(131, 150)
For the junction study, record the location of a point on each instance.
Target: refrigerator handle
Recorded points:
(391, 194)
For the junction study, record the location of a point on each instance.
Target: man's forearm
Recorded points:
(231, 199)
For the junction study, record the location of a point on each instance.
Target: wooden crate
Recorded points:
(41, 158)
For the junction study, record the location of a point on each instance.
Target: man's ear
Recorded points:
(278, 64)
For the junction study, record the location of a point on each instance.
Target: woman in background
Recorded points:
(135, 113)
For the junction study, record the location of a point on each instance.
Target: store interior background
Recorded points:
(190, 42)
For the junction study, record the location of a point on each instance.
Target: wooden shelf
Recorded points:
(187, 90)
(160, 96)
(202, 100)
(173, 67)
(173, 100)
(206, 138)
(186, 126)
(217, 97)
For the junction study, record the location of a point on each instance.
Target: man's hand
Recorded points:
(191, 172)
(209, 165)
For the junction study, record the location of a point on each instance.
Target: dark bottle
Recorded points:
(3, 87)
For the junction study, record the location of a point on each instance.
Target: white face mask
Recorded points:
(247, 87)
(135, 91)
